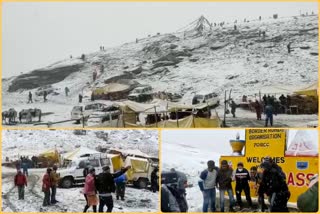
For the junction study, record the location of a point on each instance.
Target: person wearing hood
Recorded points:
(208, 186)
(242, 178)
(224, 179)
(155, 180)
(121, 182)
(274, 185)
(308, 201)
(20, 181)
(269, 114)
(89, 191)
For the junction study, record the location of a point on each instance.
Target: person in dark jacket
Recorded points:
(256, 177)
(20, 181)
(257, 107)
(274, 186)
(269, 114)
(242, 178)
(233, 108)
(155, 180)
(208, 186)
(46, 185)
(45, 93)
(224, 180)
(24, 166)
(80, 98)
(30, 97)
(106, 185)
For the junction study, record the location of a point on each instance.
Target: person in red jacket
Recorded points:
(46, 185)
(20, 181)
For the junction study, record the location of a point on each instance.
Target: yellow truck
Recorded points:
(260, 143)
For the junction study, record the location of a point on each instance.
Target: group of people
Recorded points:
(271, 181)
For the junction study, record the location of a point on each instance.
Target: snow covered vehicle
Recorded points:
(84, 111)
(73, 173)
(140, 173)
(141, 94)
(211, 99)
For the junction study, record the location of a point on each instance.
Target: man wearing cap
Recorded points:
(46, 184)
(106, 185)
(209, 178)
(54, 176)
(224, 180)
(242, 178)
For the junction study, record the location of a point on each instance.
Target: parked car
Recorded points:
(211, 99)
(141, 94)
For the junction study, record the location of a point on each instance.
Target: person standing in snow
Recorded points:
(20, 181)
(154, 180)
(224, 179)
(66, 90)
(54, 183)
(233, 108)
(242, 178)
(45, 93)
(30, 97)
(89, 191)
(46, 185)
(24, 166)
(208, 186)
(106, 186)
(257, 107)
(80, 98)
(120, 182)
(289, 47)
(269, 114)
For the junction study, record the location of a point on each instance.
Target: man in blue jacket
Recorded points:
(208, 186)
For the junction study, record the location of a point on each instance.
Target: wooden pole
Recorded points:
(155, 114)
(225, 108)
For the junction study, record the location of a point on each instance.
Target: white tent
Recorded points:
(302, 145)
(77, 153)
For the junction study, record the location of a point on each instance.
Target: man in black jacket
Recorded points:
(242, 178)
(106, 185)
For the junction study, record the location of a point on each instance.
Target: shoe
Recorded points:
(231, 209)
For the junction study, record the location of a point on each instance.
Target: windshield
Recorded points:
(77, 108)
(199, 97)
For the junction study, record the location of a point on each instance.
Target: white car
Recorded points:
(84, 111)
(73, 173)
(211, 99)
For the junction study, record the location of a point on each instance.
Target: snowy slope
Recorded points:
(225, 59)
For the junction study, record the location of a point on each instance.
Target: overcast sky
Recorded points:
(216, 140)
(38, 34)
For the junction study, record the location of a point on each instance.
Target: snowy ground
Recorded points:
(26, 143)
(246, 64)
(70, 200)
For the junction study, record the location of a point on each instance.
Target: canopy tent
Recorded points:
(51, 154)
(309, 90)
(79, 152)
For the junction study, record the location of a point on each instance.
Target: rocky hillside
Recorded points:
(199, 57)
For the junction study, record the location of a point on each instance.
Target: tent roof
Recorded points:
(288, 89)
(114, 87)
(77, 153)
(135, 152)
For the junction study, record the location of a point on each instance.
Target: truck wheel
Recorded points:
(67, 182)
(142, 183)
(78, 121)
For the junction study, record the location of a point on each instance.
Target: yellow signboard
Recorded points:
(260, 142)
(272, 142)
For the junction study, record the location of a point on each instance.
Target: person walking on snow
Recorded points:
(46, 185)
(257, 106)
(208, 186)
(24, 166)
(45, 93)
(269, 114)
(54, 183)
(233, 108)
(30, 97)
(90, 191)
(20, 181)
